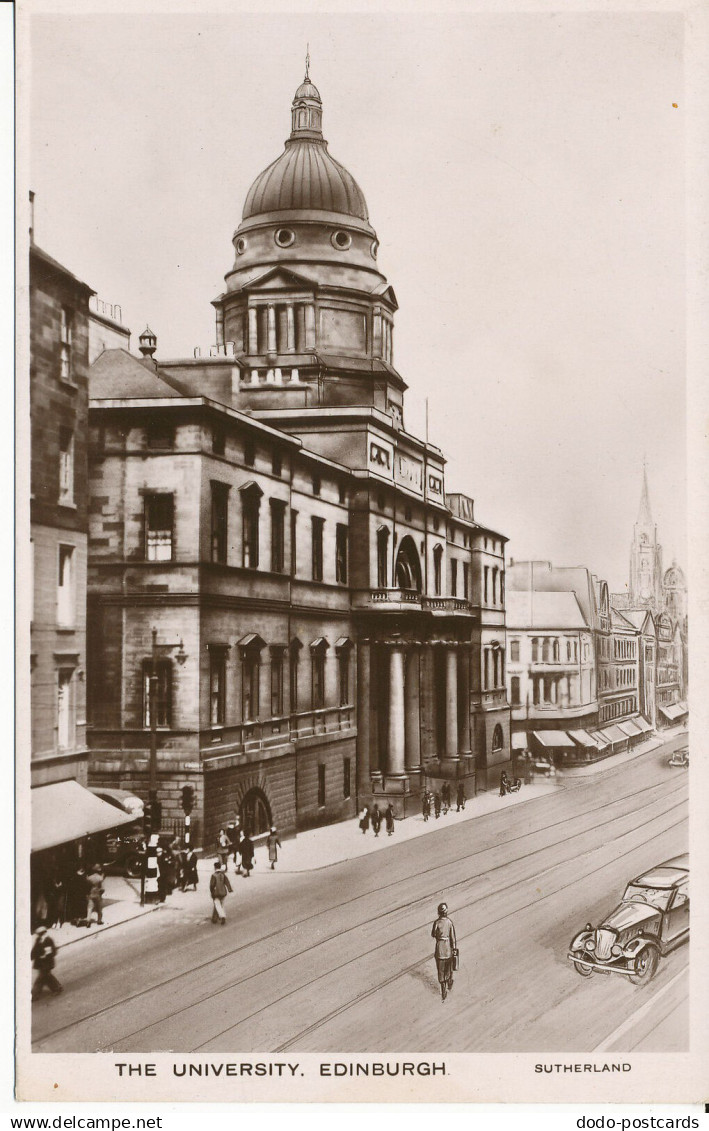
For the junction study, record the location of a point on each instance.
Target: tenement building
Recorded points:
(289, 613)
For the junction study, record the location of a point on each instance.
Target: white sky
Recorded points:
(524, 173)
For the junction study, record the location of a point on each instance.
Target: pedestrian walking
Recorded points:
(504, 784)
(77, 897)
(273, 845)
(43, 955)
(426, 804)
(364, 819)
(56, 901)
(376, 819)
(223, 847)
(191, 876)
(389, 818)
(460, 797)
(527, 767)
(219, 888)
(437, 804)
(446, 797)
(233, 832)
(446, 952)
(95, 881)
(247, 854)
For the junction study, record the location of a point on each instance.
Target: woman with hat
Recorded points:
(273, 845)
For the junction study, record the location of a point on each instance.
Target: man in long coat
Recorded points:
(43, 956)
(443, 932)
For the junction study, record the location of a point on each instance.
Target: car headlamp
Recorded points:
(590, 944)
(616, 950)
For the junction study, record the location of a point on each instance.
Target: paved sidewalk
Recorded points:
(332, 844)
(646, 747)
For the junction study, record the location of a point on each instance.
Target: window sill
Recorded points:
(69, 505)
(68, 384)
(66, 628)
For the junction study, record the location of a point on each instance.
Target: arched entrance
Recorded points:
(255, 812)
(407, 571)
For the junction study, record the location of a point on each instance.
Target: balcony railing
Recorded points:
(383, 598)
(446, 604)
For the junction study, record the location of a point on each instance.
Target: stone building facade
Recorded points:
(58, 519)
(330, 621)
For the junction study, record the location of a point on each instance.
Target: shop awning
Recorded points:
(519, 741)
(643, 724)
(602, 739)
(629, 727)
(65, 811)
(674, 711)
(553, 738)
(583, 738)
(614, 734)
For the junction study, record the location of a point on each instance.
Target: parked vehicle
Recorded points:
(121, 799)
(680, 757)
(650, 921)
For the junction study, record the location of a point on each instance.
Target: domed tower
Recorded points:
(305, 304)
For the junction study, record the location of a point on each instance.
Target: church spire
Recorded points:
(645, 514)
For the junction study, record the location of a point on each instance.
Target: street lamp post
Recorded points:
(153, 712)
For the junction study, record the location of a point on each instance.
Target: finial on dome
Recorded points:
(306, 111)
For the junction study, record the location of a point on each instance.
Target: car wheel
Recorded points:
(132, 865)
(645, 966)
(584, 971)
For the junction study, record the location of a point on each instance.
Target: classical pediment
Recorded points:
(280, 279)
(387, 292)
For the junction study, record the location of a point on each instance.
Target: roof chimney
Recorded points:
(148, 343)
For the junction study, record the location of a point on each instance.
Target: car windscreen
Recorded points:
(655, 897)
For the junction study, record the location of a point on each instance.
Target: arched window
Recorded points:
(556, 650)
(535, 649)
(497, 738)
(408, 567)
(250, 655)
(546, 650)
(437, 569)
(383, 557)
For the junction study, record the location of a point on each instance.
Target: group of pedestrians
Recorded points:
(177, 868)
(372, 815)
(439, 801)
(233, 843)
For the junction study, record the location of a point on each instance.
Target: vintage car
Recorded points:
(680, 757)
(650, 921)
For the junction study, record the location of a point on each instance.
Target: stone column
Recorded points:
(271, 328)
(396, 756)
(427, 704)
(377, 332)
(452, 703)
(413, 720)
(253, 330)
(364, 667)
(465, 695)
(290, 328)
(310, 326)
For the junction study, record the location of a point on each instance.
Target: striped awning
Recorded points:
(629, 727)
(614, 734)
(583, 738)
(553, 739)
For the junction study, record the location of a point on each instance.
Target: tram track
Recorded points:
(568, 840)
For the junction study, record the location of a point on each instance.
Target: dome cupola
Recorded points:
(305, 177)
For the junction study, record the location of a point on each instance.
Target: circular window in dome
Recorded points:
(284, 237)
(374, 248)
(341, 240)
(240, 245)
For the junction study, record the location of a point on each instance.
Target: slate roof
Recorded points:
(545, 610)
(118, 375)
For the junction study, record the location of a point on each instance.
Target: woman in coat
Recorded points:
(389, 818)
(273, 845)
(364, 819)
(247, 854)
(376, 819)
(191, 876)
